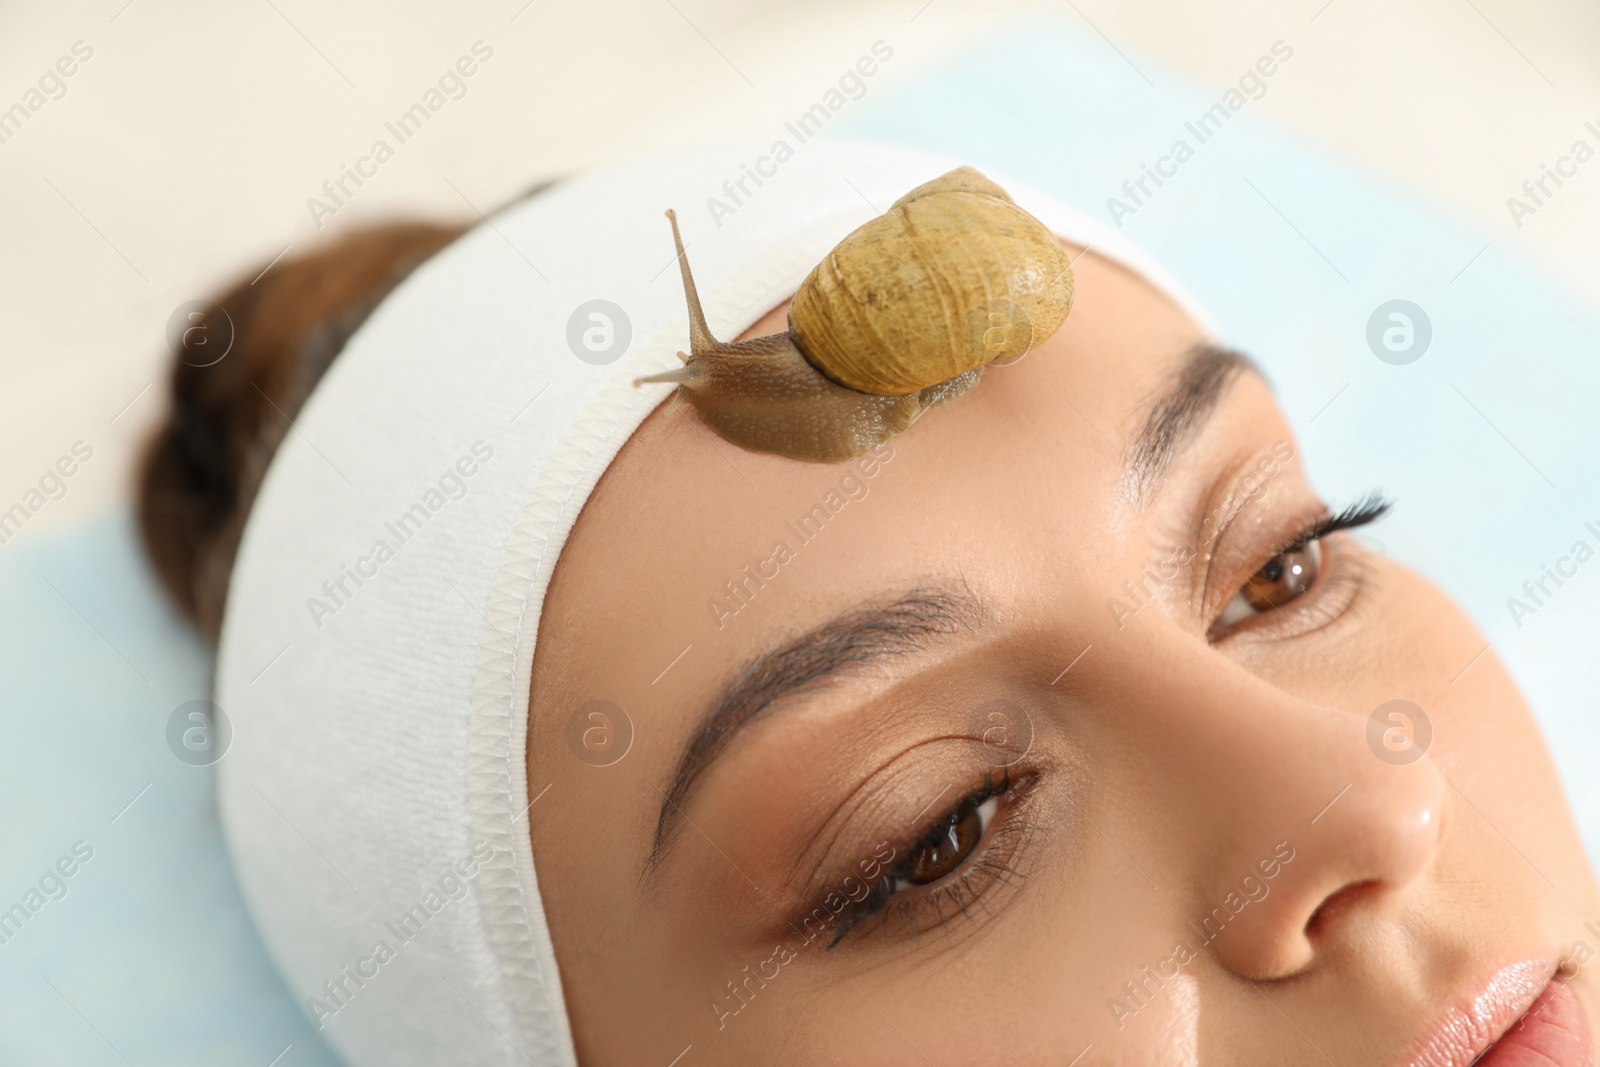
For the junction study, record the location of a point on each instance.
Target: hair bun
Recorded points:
(202, 467)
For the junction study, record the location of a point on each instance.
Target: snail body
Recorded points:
(904, 313)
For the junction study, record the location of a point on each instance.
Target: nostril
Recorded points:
(1337, 904)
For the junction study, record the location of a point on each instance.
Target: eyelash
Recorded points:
(1331, 572)
(989, 862)
(1368, 509)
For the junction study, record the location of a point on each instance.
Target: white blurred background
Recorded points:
(183, 152)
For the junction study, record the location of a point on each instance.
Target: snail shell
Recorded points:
(904, 313)
(953, 276)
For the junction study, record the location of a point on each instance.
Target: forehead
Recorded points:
(693, 555)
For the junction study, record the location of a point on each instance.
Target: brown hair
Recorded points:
(202, 468)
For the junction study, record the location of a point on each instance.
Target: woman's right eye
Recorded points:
(953, 861)
(949, 845)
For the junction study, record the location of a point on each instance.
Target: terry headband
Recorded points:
(376, 654)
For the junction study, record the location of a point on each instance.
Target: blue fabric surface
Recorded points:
(1485, 441)
(150, 956)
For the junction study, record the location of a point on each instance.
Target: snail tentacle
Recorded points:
(679, 375)
(700, 339)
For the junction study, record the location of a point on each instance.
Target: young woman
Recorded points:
(1070, 726)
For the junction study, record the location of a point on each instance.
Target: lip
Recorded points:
(1522, 1015)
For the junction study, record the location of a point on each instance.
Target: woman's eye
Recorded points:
(1281, 579)
(938, 876)
(948, 847)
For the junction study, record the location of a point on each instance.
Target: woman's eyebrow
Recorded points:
(1180, 411)
(911, 622)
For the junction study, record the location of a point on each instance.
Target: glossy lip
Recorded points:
(1469, 1027)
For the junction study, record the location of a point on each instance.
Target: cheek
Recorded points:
(1407, 639)
(1404, 638)
(1422, 647)
(1489, 743)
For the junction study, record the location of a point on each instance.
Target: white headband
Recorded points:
(376, 655)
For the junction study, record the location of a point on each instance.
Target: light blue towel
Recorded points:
(1485, 441)
(150, 955)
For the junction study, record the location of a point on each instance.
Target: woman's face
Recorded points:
(1052, 729)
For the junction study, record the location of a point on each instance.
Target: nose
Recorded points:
(1321, 824)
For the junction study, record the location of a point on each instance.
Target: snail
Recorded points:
(905, 312)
